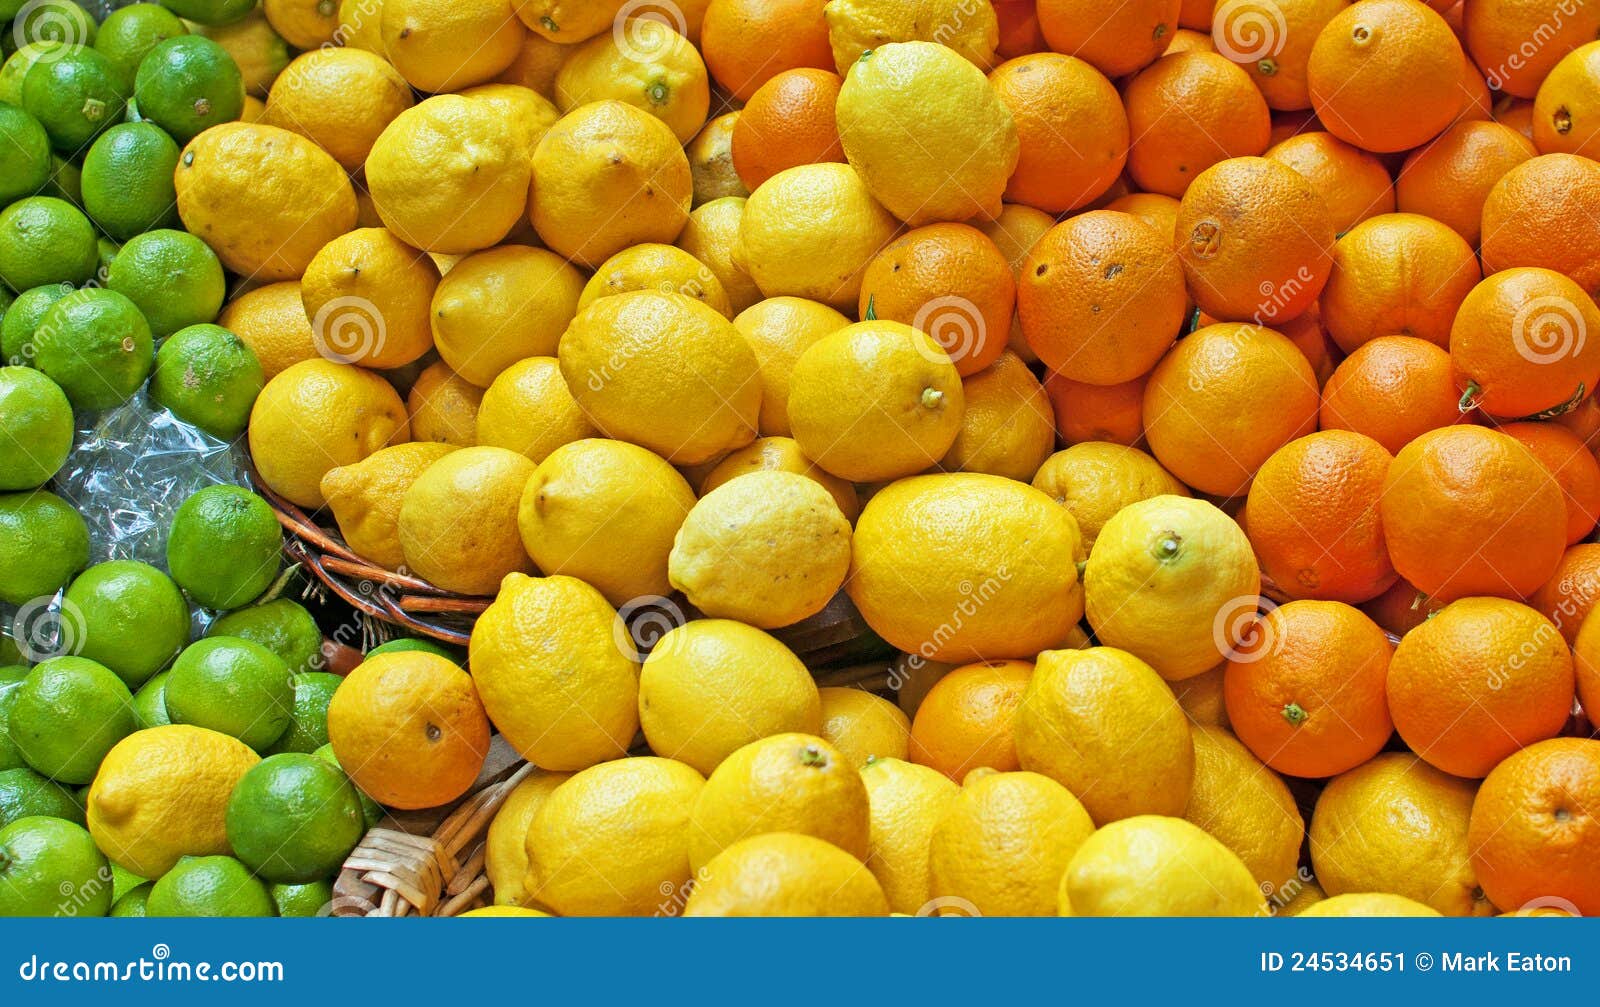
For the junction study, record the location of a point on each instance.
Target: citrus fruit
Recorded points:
(67, 714)
(712, 236)
(173, 278)
(1564, 108)
(1574, 468)
(443, 406)
(127, 180)
(642, 62)
(458, 522)
(1154, 865)
(1177, 134)
(368, 295)
(310, 899)
(906, 803)
(208, 377)
(1246, 807)
(308, 723)
(499, 306)
(96, 345)
(45, 240)
(531, 115)
(211, 13)
(231, 685)
(529, 409)
(1393, 389)
(272, 321)
(1007, 428)
(50, 867)
(187, 84)
(24, 792)
(339, 98)
(292, 818)
(372, 812)
(1517, 346)
(209, 886)
(38, 417)
(21, 319)
(965, 720)
(128, 33)
(304, 24)
(789, 121)
(781, 454)
(366, 496)
(1496, 37)
(1353, 183)
(223, 546)
(863, 725)
(785, 874)
(1529, 218)
(26, 155)
(445, 45)
(1567, 598)
(506, 847)
(43, 543)
(663, 268)
(1450, 178)
(134, 619)
(793, 34)
(150, 703)
(1397, 273)
(1094, 480)
(76, 95)
(1052, 96)
(711, 161)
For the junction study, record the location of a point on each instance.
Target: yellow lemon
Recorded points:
(528, 409)
(446, 175)
(1296, 899)
(785, 874)
(607, 176)
(1096, 479)
(854, 26)
(254, 111)
(712, 236)
(1247, 807)
(665, 269)
(490, 912)
(316, 416)
(1002, 844)
(340, 99)
(906, 802)
(536, 66)
(1202, 698)
(557, 676)
(360, 25)
(1103, 724)
(605, 511)
(528, 113)
(444, 407)
(568, 21)
(265, 199)
(643, 63)
(934, 582)
(260, 53)
(505, 849)
(272, 321)
(779, 329)
(458, 521)
(1176, 563)
(1007, 427)
(863, 726)
(929, 136)
(365, 498)
(782, 454)
(1368, 904)
(502, 305)
(711, 161)
(446, 45)
(304, 24)
(614, 839)
(1153, 865)
(712, 686)
(367, 294)
(162, 793)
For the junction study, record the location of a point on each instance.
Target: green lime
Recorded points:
(150, 703)
(10, 653)
(10, 754)
(22, 318)
(108, 254)
(24, 154)
(54, 21)
(283, 627)
(35, 428)
(209, 886)
(127, 179)
(224, 546)
(371, 811)
(46, 240)
(124, 881)
(127, 34)
(231, 685)
(210, 12)
(208, 377)
(293, 818)
(173, 277)
(188, 84)
(76, 95)
(50, 867)
(308, 725)
(410, 643)
(43, 542)
(24, 792)
(18, 64)
(129, 616)
(134, 901)
(309, 899)
(96, 345)
(7, 299)
(66, 181)
(67, 714)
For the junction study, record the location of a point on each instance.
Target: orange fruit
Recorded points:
(1481, 679)
(1524, 344)
(1071, 128)
(1400, 609)
(1570, 594)
(965, 720)
(1535, 830)
(748, 42)
(1516, 113)
(1566, 111)
(951, 282)
(1306, 693)
(1019, 28)
(1287, 124)
(1158, 210)
(1450, 178)
(1312, 516)
(1087, 412)
(1223, 400)
(1470, 511)
(1516, 43)
(1398, 274)
(1575, 470)
(789, 121)
(1273, 43)
(1188, 112)
(1583, 419)
(1101, 297)
(1543, 213)
(1477, 104)
(1353, 183)
(1189, 40)
(1255, 240)
(1393, 389)
(1117, 38)
(1310, 338)
(1586, 658)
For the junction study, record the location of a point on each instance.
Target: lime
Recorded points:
(96, 345)
(124, 881)
(67, 714)
(24, 792)
(224, 546)
(309, 899)
(10, 654)
(293, 818)
(75, 95)
(408, 643)
(7, 299)
(209, 378)
(283, 627)
(10, 755)
(43, 542)
(35, 428)
(134, 901)
(308, 725)
(54, 21)
(127, 179)
(210, 12)
(188, 84)
(108, 254)
(150, 703)
(24, 154)
(173, 277)
(231, 685)
(208, 886)
(127, 34)
(66, 181)
(371, 811)
(50, 867)
(45, 240)
(129, 616)
(22, 318)
(17, 66)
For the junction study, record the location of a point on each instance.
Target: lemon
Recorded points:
(505, 848)
(567, 21)
(1007, 427)
(863, 726)
(1153, 865)
(1003, 842)
(1202, 697)
(779, 329)
(260, 52)
(644, 63)
(368, 295)
(809, 231)
(783, 783)
(712, 686)
(446, 45)
(529, 409)
(933, 582)
(855, 26)
(528, 113)
(340, 99)
(553, 675)
(711, 161)
(360, 25)
(665, 269)
(1247, 807)
(304, 24)
(1096, 479)
(535, 67)
(614, 839)
(785, 874)
(712, 236)
(496, 911)
(272, 321)
(906, 802)
(458, 521)
(1368, 904)
(365, 498)
(503, 305)
(444, 406)
(782, 454)
(1172, 562)
(1295, 899)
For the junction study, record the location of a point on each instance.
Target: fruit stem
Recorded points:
(872, 309)
(1295, 714)
(1470, 398)
(931, 398)
(811, 755)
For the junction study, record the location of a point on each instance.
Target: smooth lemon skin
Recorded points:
(1153, 865)
(863, 725)
(365, 498)
(785, 874)
(1246, 806)
(529, 409)
(906, 802)
(666, 269)
(782, 454)
(506, 845)
(503, 305)
(779, 329)
(712, 236)
(367, 294)
(646, 64)
(458, 521)
(1372, 904)
(854, 26)
(446, 45)
(1096, 479)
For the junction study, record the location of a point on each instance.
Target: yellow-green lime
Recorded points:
(309, 899)
(150, 703)
(24, 792)
(24, 154)
(209, 886)
(371, 811)
(207, 377)
(35, 428)
(308, 723)
(174, 279)
(129, 616)
(22, 318)
(224, 546)
(50, 867)
(96, 345)
(18, 64)
(43, 542)
(133, 902)
(233, 686)
(293, 818)
(127, 180)
(65, 182)
(108, 250)
(76, 95)
(11, 676)
(46, 240)
(406, 643)
(124, 881)
(188, 84)
(67, 714)
(126, 35)
(284, 627)
(54, 21)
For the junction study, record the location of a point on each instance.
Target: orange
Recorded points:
(1470, 511)
(951, 282)
(1516, 113)
(1450, 178)
(1586, 657)
(1525, 343)
(1019, 28)
(748, 42)
(1087, 412)
(789, 121)
(1158, 210)
(272, 321)
(1386, 75)
(1398, 274)
(1570, 594)
(1516, 43)
(1117, 38)
(1310, 338)
(1223, 400)
(1196, 14)
(1273, 43)
(965, 720)
(1287, 124)
(1400, 609)
(1255, 240)
(1187, 112)
(1189, 40)
(1583, 419)
(1353, 183)
(1543, 213)
(1575, 470)
(1312, 516)
(1481, 679)
(1393, 389)
(1477, 104)
(1566, 112)
(1101, 297)
(1306, 694)
(1071, 127)
(1535, 828)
